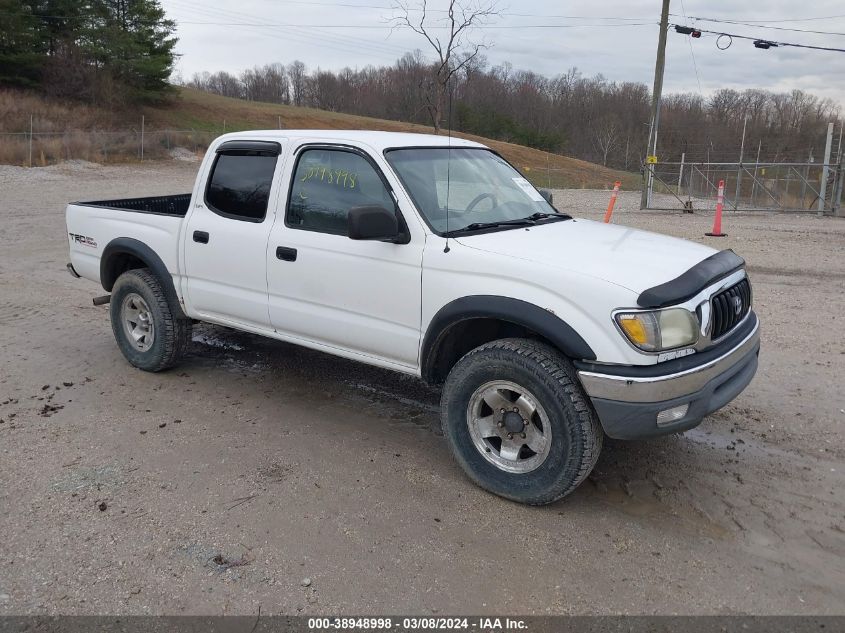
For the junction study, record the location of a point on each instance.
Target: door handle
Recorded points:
(201, 237)
(286, 254)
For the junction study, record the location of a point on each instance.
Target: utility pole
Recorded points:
(657, 91)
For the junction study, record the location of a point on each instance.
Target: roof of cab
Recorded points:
(377, 140)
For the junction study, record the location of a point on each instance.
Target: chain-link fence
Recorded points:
(33, 149)
(39, 149)
(794, 187)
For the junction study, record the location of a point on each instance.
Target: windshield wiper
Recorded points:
(478, 226)
(531, 220)
(542, 215)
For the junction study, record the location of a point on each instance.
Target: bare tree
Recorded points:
(267, 83)
(297, 74)
(605, 135)
(453, 52)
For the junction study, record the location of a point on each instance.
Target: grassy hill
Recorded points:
(74, 131)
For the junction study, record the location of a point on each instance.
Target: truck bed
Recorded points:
(153, 221)
(176, 205)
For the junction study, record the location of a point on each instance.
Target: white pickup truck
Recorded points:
(435, 258)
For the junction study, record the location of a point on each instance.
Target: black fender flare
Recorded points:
(537, 319)
(109, 271)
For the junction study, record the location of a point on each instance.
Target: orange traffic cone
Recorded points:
(717, 220)
(610, 205)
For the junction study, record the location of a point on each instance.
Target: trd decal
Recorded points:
(84, 240)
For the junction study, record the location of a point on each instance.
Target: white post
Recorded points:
(681, 172)
(142, 137)
(30, 140)
(837, 197)
(838, 210)
(756, 164)
(280, 121)
(739, 169)
(825, 167)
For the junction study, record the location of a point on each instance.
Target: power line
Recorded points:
(388, 27)
(760, 22)
(762, 26)
(692, 54)
(345, 43)
(543, 15)
(764, 43)
(431, 10)
(353, 26)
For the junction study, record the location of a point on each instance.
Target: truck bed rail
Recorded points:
(176, 205)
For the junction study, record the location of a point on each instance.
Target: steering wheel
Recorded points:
(479, 198)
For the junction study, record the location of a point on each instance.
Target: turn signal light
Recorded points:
(635, 329)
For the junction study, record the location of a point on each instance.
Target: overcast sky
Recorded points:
(613, 37)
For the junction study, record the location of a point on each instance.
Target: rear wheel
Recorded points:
(518, 422)
(149, 335)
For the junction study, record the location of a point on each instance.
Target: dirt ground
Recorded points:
(261, 474)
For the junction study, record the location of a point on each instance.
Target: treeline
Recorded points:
(589, 117)
(107, 52)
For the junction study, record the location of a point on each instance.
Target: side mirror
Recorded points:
(372, 223)
(547, 195)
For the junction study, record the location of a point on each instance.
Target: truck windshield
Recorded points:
(474, 188)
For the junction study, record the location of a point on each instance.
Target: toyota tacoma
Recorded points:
(433, 257)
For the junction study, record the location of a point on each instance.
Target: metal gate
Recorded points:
(793, 187)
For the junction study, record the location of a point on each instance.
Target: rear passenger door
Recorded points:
(227, 232)
(361, 296)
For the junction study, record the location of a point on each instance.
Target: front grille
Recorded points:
(728, 308)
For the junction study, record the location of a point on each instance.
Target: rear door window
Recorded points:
(239, 185)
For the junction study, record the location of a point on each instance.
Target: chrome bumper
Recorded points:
(669, 386)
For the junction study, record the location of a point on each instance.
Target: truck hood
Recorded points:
(634, 259)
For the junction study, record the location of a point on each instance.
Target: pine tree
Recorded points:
(21, 52)
(98, 50)
(132, 42)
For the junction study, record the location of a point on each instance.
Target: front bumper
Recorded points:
(627, 403)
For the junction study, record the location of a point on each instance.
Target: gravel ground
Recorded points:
(220, 487)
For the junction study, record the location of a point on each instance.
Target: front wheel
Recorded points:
(518, 422)
(149, 335)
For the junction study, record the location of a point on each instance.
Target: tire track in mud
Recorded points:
(795, 527)
(15, 313)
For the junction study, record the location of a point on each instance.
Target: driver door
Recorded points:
(325, 288)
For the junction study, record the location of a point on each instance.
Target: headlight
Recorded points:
(659, 330)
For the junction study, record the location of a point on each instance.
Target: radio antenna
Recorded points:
(448, 165)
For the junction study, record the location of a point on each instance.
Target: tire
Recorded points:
(157, 340)
(546, 379)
